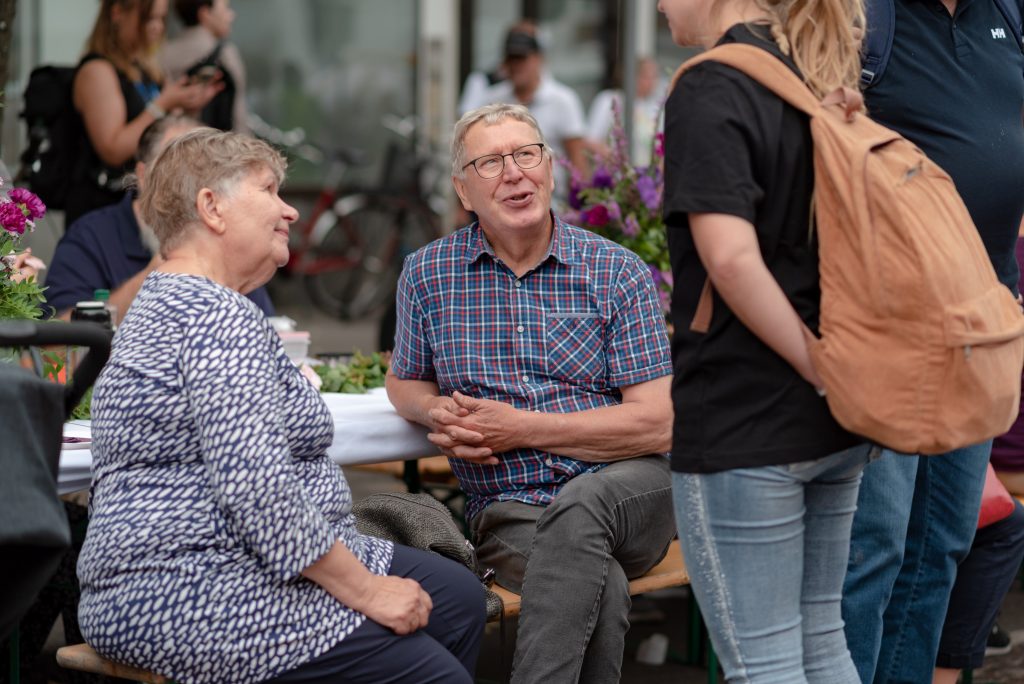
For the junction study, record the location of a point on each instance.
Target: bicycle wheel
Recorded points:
(377, 236)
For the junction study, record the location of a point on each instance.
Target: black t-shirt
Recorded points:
(94, 183)
(955, 87)
(733, 147)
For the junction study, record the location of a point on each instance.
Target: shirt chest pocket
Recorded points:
(575, 346)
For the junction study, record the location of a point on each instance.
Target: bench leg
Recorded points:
(712, 664)
(14, 656)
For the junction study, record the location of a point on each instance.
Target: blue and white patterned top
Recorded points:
(211, 492)
(565, 337)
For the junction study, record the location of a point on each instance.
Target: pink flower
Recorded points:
(659, 145)
(28, 201)
(596, 216)
(12, 218)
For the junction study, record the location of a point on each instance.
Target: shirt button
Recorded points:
(520, 328)
(519, 283)
(526, 378)
(549, 462)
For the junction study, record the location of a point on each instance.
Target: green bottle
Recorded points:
(103, 295)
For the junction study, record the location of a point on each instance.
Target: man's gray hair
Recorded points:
(489, 115)
(203, 158)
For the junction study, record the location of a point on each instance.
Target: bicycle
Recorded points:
(351, 247)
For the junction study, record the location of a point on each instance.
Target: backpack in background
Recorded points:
(921, 346)
(53, 135)
(219, 112)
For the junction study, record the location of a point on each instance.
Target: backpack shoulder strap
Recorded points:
(881, 27)
(771, 73)
(1011, 11)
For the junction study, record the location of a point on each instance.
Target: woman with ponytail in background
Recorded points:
(765, 481)
(118, 91)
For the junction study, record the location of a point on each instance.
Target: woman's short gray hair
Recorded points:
(490, 115)
(203, 158)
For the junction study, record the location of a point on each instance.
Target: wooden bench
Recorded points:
(670, 572)
(429, 467)
(82, 658)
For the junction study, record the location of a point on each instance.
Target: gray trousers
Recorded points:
(572, 562)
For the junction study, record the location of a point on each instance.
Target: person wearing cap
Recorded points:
(110, 248)
(555, 106)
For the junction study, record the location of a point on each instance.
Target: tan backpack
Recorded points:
(921, 346)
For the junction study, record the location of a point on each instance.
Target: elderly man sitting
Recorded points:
(536, 354)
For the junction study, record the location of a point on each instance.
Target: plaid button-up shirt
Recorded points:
(563, 338)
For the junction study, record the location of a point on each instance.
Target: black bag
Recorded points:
(34, 534)
(53, 137)
(218, 112)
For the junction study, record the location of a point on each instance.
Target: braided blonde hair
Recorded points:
(822, 37)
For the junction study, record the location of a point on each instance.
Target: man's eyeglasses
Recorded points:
(491, 165)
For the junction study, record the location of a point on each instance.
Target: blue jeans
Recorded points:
(915, 521)
(766, 550)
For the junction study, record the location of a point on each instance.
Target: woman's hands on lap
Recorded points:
(399, 604)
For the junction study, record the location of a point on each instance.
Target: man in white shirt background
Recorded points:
(555, 106)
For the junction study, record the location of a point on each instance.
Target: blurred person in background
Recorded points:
(112, 248)
(646, 113)
(117, 91)
(202, 48)
(555, 106)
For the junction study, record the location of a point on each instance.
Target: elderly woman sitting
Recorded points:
(221, 547)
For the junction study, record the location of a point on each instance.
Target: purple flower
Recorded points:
(666, 277)
(614, 211)
(575, 198)
(665, 299)
(602, 178)
(649, 192)
(12, 218)
(572, 217)
(28, 201)
(655, 275)
(631, 227)
(596, 216)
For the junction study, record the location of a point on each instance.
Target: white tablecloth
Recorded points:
(366, 430)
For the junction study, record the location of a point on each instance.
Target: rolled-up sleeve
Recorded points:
(412, 358)
(638, 343)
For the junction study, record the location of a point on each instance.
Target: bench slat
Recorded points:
(83, 658)
(670, 572)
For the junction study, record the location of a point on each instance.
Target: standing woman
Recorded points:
(117, 93)
(765, 481)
